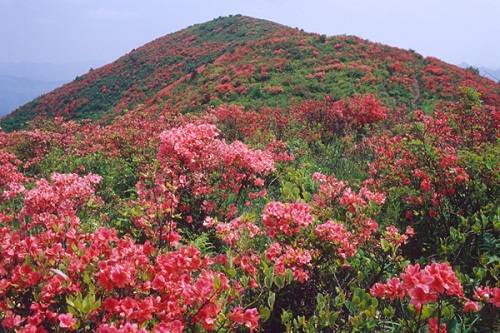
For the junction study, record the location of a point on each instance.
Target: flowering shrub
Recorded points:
(421, 285)
(11, 180)
(286, 219)
(208, 242)
(423, 165)
(97, 280)
(430, 290)
(342, 115)
(198, 167)
(297, 183)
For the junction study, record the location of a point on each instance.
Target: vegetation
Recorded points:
(242, 176)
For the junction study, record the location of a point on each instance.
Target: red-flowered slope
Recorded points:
(254, 63)
(144, 71)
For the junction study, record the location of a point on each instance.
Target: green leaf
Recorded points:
(265, 313)
(270, 299)
(386, 246)
(217, 282)
(289, 276)
(231, 272)
(280, 281)
(268, 282)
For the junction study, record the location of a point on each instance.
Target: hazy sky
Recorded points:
(62, 31)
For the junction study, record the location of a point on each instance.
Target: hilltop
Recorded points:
(253, 63)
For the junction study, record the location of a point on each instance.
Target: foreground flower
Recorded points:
(421, 285)
(489, 295)
(433, 326)
(67, 321)
(248, 318)
(471, 306)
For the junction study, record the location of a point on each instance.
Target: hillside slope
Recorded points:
(143, 72)
(253, 63)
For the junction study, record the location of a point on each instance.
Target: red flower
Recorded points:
(12, 320)
(119, 277)
(249, 317)
(337, 234)
(285, 218)
(175, 326)
(425, 185)
(471, 306)
(433, 326)
(208, 315)
(67, 321)
(487, 294)
(391, 290)
(421, 285)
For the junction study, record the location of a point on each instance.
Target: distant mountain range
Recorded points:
(23, 81)
(490, 73)
(15, 91)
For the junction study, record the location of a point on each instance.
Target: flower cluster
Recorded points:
(353, 112)
(296, 259)
(333, 191)
(197, 166)
(286, 218)
(488, 295)
(336, 233)
(11, 180)
(248, 317)
(197, 149)
(231, 232)
(396, 239)
(422, 286)
(54, 203)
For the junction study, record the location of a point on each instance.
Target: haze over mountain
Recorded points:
(489, 72)
(20, 82)
(15, 91)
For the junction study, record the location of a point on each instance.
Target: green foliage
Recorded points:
(463, 232)
(470, 97)
(119, 175)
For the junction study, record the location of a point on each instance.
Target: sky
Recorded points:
(99, 31)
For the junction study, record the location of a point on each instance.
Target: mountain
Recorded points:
(244, 176)
(15, 91)
(488, 72)
(253, 63)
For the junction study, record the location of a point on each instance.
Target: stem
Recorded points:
(240, 191)
(419, 318)
(379, 274)
(160, 238)
(439, 317)
(406, 322)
